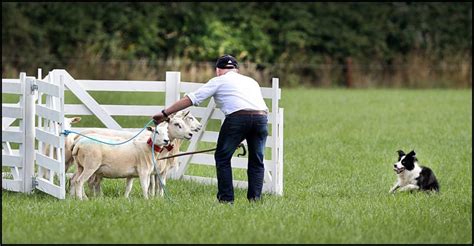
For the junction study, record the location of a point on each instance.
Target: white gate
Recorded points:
(50, 154)
(18, 164)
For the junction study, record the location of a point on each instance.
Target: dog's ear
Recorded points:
(412, 153)
(400, 153)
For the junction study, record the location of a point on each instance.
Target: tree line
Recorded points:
(291, 40)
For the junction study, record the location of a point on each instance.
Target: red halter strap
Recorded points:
(169, 147)
(157, 148)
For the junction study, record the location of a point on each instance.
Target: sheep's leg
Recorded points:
(91, 183)
(66, 168)
(145, 182)
(97, 185)
(152, 185)
(85, 175)
(161, 185)
(72, 188)
(129, 186)
(158, 185)
(69, 160)
(75, 182)
(163, 180)
(94, 185)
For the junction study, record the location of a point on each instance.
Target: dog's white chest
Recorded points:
(409, 177)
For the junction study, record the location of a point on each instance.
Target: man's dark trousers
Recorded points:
(236, 128)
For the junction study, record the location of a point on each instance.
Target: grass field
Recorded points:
(339, 146)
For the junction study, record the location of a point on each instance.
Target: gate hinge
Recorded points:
(34, 182)
(34, 86)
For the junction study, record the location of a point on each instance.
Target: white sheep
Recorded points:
(168, 164)
(179, 128)
(132, 159)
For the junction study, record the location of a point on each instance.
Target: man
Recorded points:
(239, 97)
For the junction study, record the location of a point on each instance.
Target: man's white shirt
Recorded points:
(232, 92)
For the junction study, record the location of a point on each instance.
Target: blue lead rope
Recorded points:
(156, 168)
(67, 132)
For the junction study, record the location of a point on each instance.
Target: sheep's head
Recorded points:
(69, 121)
(179, 129)
(190, 120)
(159, 134)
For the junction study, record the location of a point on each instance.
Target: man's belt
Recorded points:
(247, 112)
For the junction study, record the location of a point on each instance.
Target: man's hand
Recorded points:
(158, 118)
(175, 107)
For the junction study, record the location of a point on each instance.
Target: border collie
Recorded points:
(411, 176)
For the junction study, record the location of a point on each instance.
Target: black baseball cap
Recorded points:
(227, 61)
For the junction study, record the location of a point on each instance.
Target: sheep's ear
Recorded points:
(75, 120)
(149, 128)
(173, 114)
(400, 153)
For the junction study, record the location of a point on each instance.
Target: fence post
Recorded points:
(172, 87)
(279, 189)
(29, 131)
(62, 170)
(275, 118)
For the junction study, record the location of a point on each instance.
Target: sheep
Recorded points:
(67, 147)
(170, 163)
(131, 159)
(165, 165)
(178, 128)
(68, 141)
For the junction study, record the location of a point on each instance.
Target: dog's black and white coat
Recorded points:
(411, 176)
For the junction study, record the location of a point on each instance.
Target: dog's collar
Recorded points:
(157, 148)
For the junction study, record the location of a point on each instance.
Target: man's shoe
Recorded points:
(255, 200)
(226, 202)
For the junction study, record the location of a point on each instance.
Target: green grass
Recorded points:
(339, 149)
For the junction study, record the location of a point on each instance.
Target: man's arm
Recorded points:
(179, 105)
(175, 107)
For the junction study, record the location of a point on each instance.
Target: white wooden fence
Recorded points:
(18, 164)
(173, 88)
(14, 175)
